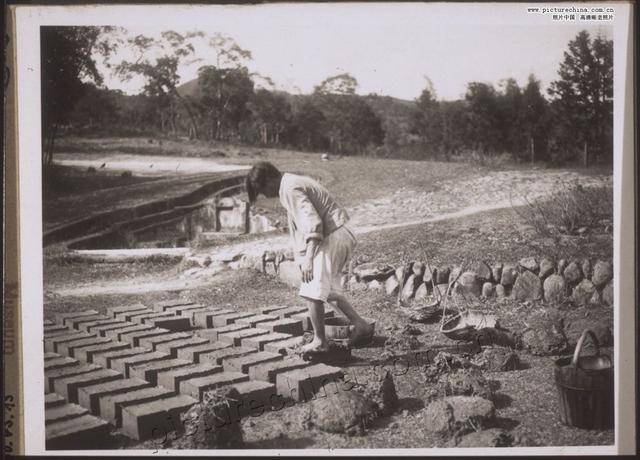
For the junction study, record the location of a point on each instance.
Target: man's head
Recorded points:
(263, 178)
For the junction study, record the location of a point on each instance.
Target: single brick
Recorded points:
(258, 342)
(191, 312)
(111, 406)
(117, 333)
(48, 330)
(255, 319)
(172, 347)
(270, 370)
(50, 355)
(134, 337)
(216, 357)
(67, 387)
(104, 359)
(51, 343)
(290, 311)
(64, 412)
(149, 371)
(243, 363)
(304, 384)
(69, 348)
(85, 432)
(77, 323)
(48, 322)
(212, 334)
(171, 379)
(285, 326)
(89, 396)
(144, 315)
(175, 324)
(192, 353)
(124, 364)
(57, 363)
(88, 354)
(156, 418)
(183, 310)
(235, 338)
(198, 386)
(53, 400)
(52, 335)
(61, 318)
(224, 320)
(105, 329)
(282, 346)
(113, 311)
(89, 325)
(274, 309)
(129, 315)
(255, 398)
(51, 376)
(152, 342)
(204, 319)
(306, 321)
(164, 305)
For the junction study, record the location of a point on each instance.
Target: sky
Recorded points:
(388, 48)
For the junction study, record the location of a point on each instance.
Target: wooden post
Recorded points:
(247, 217)
(216, 216)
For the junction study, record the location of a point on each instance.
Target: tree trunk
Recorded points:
(585, 155)
(192, 118)
(532, 149)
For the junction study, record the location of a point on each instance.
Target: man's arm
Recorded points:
(306, 266)
(307, 219)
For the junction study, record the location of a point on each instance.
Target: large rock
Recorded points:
(465, 382)
(555, 289)
(573, 273)
(211, 424)
(392, 286)
(375, 285)
(372, 271)
(602, 273)
(458, 414)
(547, 267)
(562, 264)
(409, 288)
(607, 294)
(530, 264)
(501, 293)
(453, 275)
(383, 393)
(545, 334)
(482, 271)
(442, 289)
(468, 285)
(583, 292)
(509, 274)
(488, 290)
(343, 412)
(422, 292)
(418, 269)
(429, 276)
(586, 268)
(403, 272)
(492, 437)
(527, 287)
(602, 327)
(496, 272)
(497, 359)
(442, 275)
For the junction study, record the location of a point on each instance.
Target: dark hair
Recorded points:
(258, 177)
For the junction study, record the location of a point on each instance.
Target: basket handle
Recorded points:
(576, 353)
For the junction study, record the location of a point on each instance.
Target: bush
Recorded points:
(569, 209)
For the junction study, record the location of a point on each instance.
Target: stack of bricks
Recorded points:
(139, 368)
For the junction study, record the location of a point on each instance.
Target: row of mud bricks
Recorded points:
(136, 369)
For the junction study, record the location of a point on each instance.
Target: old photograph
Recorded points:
(327, 226)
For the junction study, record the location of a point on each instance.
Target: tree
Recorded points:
(344, 83)
(483, 118)
(534, 116)
(271, 112)
(309, 125)
(582, 96)
(67, 60)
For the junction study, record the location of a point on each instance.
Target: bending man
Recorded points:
(323, 245)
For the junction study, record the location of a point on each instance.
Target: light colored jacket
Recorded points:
(311, 210)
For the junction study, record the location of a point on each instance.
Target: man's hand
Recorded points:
(306, 268)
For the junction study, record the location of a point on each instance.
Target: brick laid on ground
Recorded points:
(149, 371)
(243, 363)
(48, 322)
(190, 314)
(51, 335)
(156, 418)
(255, 398)
(258, 342)
(274, 309)
(77, 323)
(113, 311)
(124, 364)
(224, 320)
(192, 353)
(53, 400)
(196, 387)
(89, 396)
(51, 343)
(57, 363)
(104, 359)
(129, 315)
(82, 432)
(204, 319)
(55, 328)
(255, 319)
(162, 306)
(69, 348)
(152, 342)
(171, 379)
(175, 324)
(63, 412)
(51, 376)
(306, 321)
(270, 370)
(118, 332)
(134, 337)
(182, 309)
(212, 334)
(235, 338)
(216, 357)
(67, 387)
(89, 325)
(303, 384)
(102, 330)
(61, 318)
(50, 355)
(290, 311)
(172, 347)
(285, 326)
(281, 346)
(88, 354)
(111, 406)
(145, 315)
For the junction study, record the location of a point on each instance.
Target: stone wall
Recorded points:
(581, 282)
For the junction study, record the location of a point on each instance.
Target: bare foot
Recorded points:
(315, 346)
(361, 335)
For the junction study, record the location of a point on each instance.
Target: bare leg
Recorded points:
(316, 314)
(361, 327)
